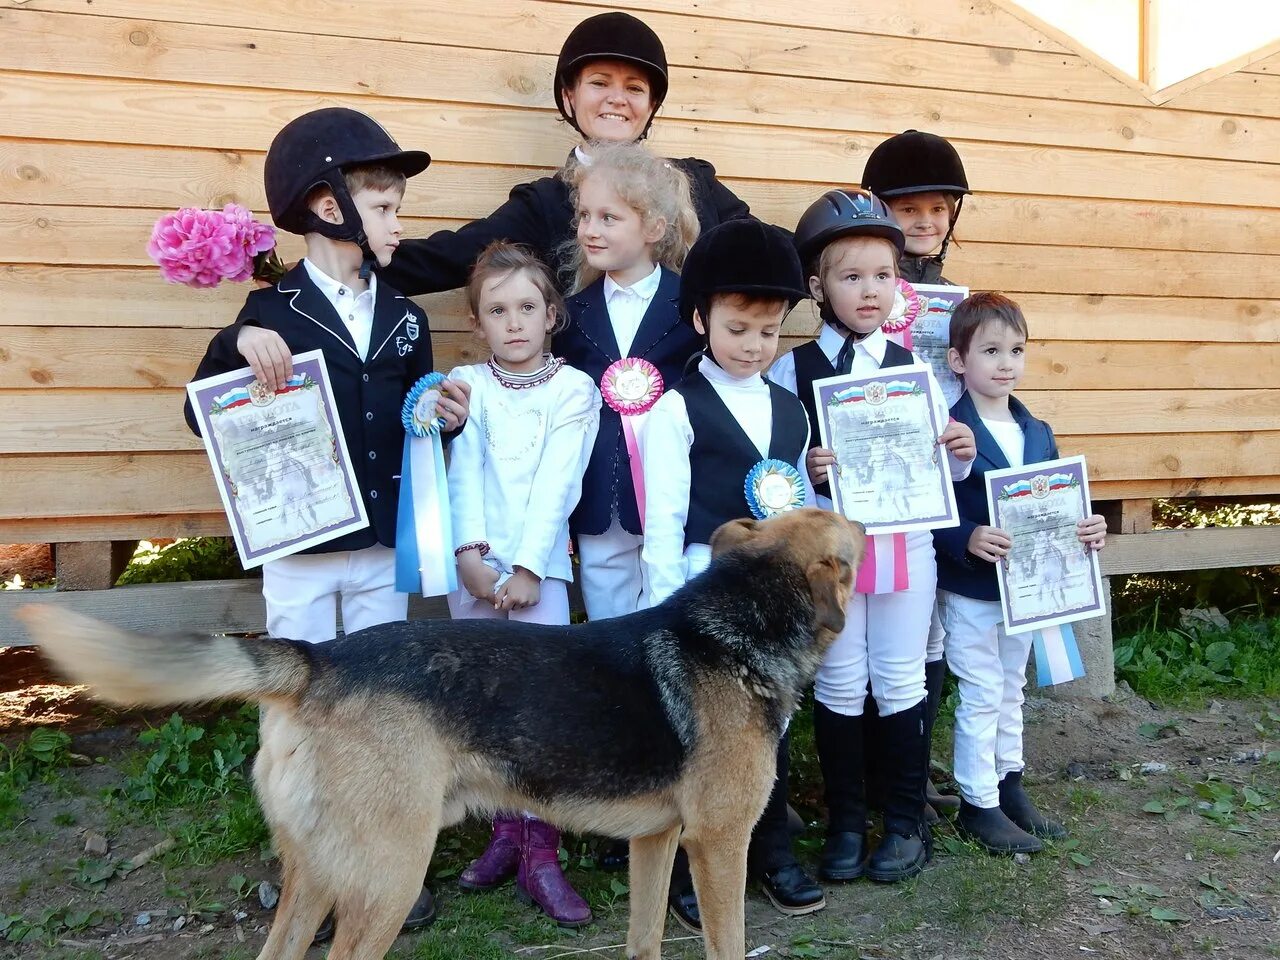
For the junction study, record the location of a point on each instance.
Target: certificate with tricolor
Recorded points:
(890, 474)
(1049, 577)
(279, 459)
(929, 333)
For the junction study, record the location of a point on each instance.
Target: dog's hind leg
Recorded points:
(651, 859)
(372, 908)
(718, 861)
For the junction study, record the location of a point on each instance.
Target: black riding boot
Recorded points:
(840, 754)
(905, 758)
(772, 860)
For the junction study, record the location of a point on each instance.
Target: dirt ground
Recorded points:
(1212, 873)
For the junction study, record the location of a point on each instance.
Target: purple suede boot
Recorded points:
(500, 859)
(540, 880)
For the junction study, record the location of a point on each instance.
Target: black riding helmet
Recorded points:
(915, 162)
(313, 150)
(612, 36)
(740, 256)
(844, 213)
(918, 162)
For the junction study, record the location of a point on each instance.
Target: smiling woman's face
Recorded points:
(610, 100)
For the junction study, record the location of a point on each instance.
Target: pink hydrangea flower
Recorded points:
(201, 248)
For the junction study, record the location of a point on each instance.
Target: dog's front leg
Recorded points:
(651, 859)
(718, 862)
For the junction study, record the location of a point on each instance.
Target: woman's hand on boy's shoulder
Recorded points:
(1092, 532)
(959, 440)
(454, 404)
(267, 355)
(816, 462)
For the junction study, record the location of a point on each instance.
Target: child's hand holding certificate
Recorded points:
(1049, 576)
(890, 473)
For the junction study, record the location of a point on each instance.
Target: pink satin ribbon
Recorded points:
(884, 568)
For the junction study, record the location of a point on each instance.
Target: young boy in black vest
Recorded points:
(336, 176)
(704, 438)
(850, 246)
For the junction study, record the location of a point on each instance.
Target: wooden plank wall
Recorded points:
(1143, 241)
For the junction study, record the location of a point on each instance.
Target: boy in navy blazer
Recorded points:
(988, 350)
(337, 177)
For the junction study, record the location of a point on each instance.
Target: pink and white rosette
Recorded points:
(907, 308)
(631, 386)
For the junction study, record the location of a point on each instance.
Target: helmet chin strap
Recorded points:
(946, 241)
(829, 316)
(343, 232)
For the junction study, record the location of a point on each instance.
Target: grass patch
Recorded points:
(1187, 666)
(36, 759)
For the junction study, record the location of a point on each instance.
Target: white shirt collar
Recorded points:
(832, 340)
(644, 289)
(717, 374)
(334, 291)
(584, 158)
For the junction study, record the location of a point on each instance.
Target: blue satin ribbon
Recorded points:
(1057, 655)
(424, 524)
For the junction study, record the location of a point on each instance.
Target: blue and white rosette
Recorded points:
(773, 487)
(424, 526)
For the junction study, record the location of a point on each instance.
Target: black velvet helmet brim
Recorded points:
(915, 162)
(611, 36)
(741, 256)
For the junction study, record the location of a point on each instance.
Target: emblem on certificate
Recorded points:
(279, 459)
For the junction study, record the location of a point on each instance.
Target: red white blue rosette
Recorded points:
(908, 305)
(631, 386)
(424, 527)
(773, 487)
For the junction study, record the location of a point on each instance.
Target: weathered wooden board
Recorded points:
(154, 113)
(777, 91)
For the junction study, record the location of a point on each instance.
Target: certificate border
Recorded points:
(959, 293)
(200, 392)
(828, 385)
(993, 478)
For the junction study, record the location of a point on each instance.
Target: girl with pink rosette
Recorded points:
(514, 478)
(635, 223)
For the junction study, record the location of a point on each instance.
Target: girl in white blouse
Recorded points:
(515, 475)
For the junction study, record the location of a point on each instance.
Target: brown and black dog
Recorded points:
(662, 728)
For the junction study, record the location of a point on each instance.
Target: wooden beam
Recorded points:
(1127, 516)
(1168, 550)
(211, 606)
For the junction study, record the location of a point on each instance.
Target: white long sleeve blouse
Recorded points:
(515, 473)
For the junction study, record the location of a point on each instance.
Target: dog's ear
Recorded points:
(829, 580)
(732, 534)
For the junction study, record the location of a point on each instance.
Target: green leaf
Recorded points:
(1150, 730)
(1212, 882)
(1105, 890)
(1080, 859)
(1168, 915)
(1153, 806)
(1149, 889)
(618, 887)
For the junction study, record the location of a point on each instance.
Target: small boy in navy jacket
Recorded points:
(988, 350)
(336, 176)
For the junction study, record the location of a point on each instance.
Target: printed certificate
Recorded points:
(930, 333)
(890, 473)
(1049, 577)
(279, 459)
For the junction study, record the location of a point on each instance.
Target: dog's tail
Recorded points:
(135, 669)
